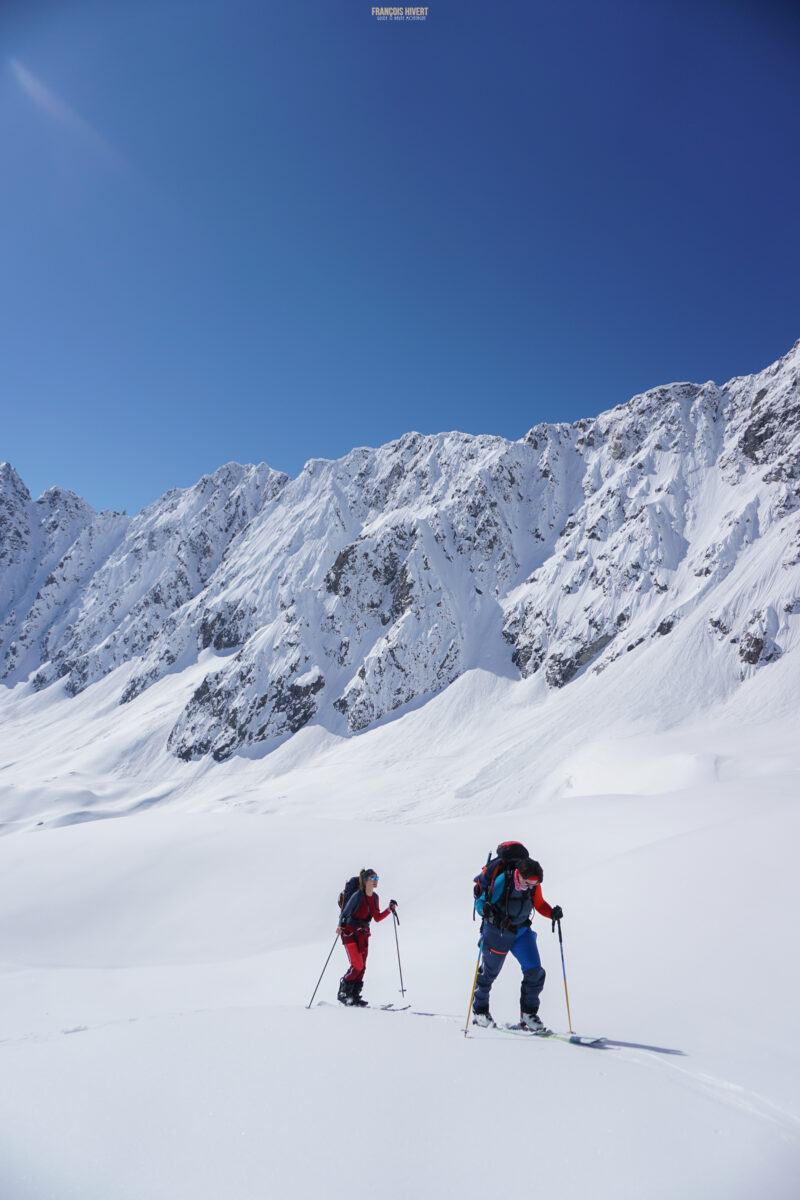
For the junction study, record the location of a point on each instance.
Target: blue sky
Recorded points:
(261, 230)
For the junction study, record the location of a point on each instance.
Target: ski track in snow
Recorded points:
(171, 906)
(735, 1095)
(722, 1091)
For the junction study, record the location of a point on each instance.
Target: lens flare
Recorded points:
(49, 103)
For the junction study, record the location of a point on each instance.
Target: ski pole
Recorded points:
(324, 969)
(397, 944)
(564, 970)
(474, 985)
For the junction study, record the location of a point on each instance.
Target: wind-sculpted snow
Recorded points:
(374, 581)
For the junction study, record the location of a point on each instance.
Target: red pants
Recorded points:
(356, 943)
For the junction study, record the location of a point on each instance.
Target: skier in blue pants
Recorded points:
(506, 928)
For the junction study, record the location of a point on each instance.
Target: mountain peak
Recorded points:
(371, 582)
(10, 482)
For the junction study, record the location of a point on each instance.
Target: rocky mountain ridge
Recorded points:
(373, 581)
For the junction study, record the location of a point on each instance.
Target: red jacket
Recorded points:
(360, 909)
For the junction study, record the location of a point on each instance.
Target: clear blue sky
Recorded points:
(277, 229)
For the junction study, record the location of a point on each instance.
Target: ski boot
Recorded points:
(356, 994)
(532, 1021)
(345, 995)
(482, 1016)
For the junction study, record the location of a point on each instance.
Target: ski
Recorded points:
(518, 1030)
(374, 1007)
(576, 1039)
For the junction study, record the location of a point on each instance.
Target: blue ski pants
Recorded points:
(496, 944)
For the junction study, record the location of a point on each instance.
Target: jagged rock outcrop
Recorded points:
(374, 581)
(112, 581)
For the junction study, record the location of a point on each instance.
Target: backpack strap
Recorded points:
(351, 904)
(492, 907)
(498, 909)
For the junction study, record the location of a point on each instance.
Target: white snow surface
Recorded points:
(164, 919)
(155, 969)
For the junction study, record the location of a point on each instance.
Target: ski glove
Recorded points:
(556, 913)
(392, 905)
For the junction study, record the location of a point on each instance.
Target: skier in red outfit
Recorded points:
(357, 913)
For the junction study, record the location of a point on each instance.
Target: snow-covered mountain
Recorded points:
(586, 640)
(377, 580)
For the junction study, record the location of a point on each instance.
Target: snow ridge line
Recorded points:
(371, 583)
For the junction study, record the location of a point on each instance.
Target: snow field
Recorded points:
(154, 1039)
(154, 970)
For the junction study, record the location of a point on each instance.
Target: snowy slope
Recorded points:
(541, 640)
(154, 974)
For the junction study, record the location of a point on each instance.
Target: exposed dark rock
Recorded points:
(756, 648)
(560, 669)
(286, 706)
(224, 628)
(333, 580)
(768, 430)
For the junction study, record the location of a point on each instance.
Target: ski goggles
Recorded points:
(374, 878)
(522, 884)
